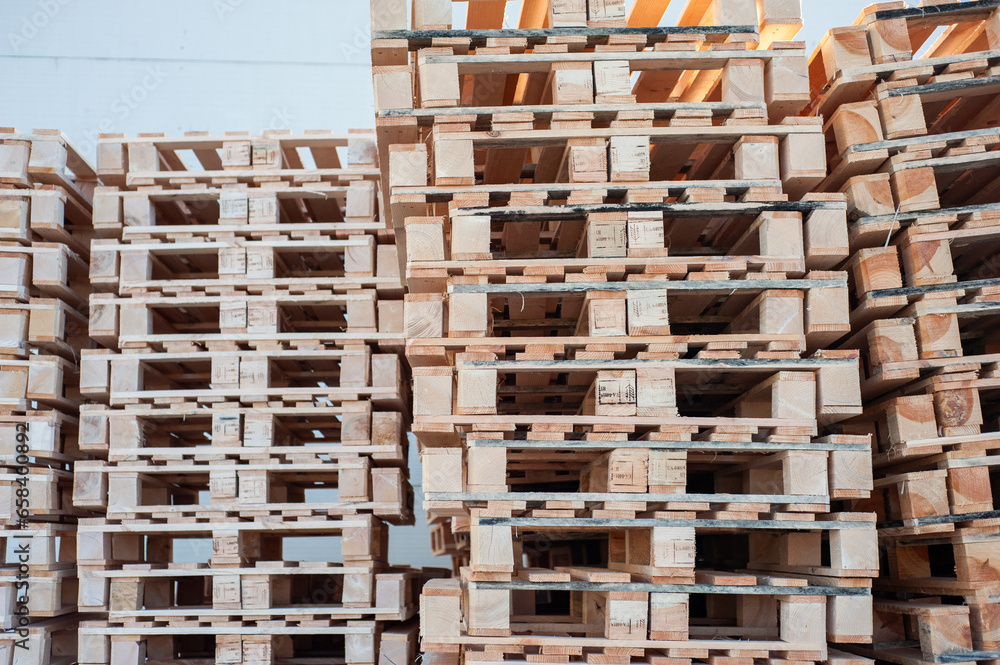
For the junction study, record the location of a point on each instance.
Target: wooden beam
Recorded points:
(485, 14)
(534, 14)
(647, 13)
(695, 12)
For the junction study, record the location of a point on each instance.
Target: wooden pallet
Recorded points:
(50, 270)
(960, 564)
(940, 501)
(294, 209)
(739, 70)
(236, 265)
(584, 155)
(52, 594)
(228, 541)
(46, 157)
(161, 322)
(238, 157)
(612, 613)
(587, 477)
(929, 631)
(602, 389)
(661, 545)
(856, 136)
(52, 546)
(295, 433)
(891, 35)
(46, 213)
(174, 491)
(296, 375)
(50, 326)
(52, 437)
(739, 308)
(354, 643)
(50, 492)
(647, 224)
(176, 594)
(50, 381)
(541, 654)
(337, 608)
(892, 346)
(619, 605)
(49, 642)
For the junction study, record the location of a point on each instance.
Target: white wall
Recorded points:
(184, 65)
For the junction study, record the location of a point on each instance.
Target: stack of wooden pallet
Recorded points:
(45, 229)
(910, 97)
(253, 409)
(912, 114)
(620, 295)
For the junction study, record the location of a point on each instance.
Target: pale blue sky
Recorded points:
(90, 66)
